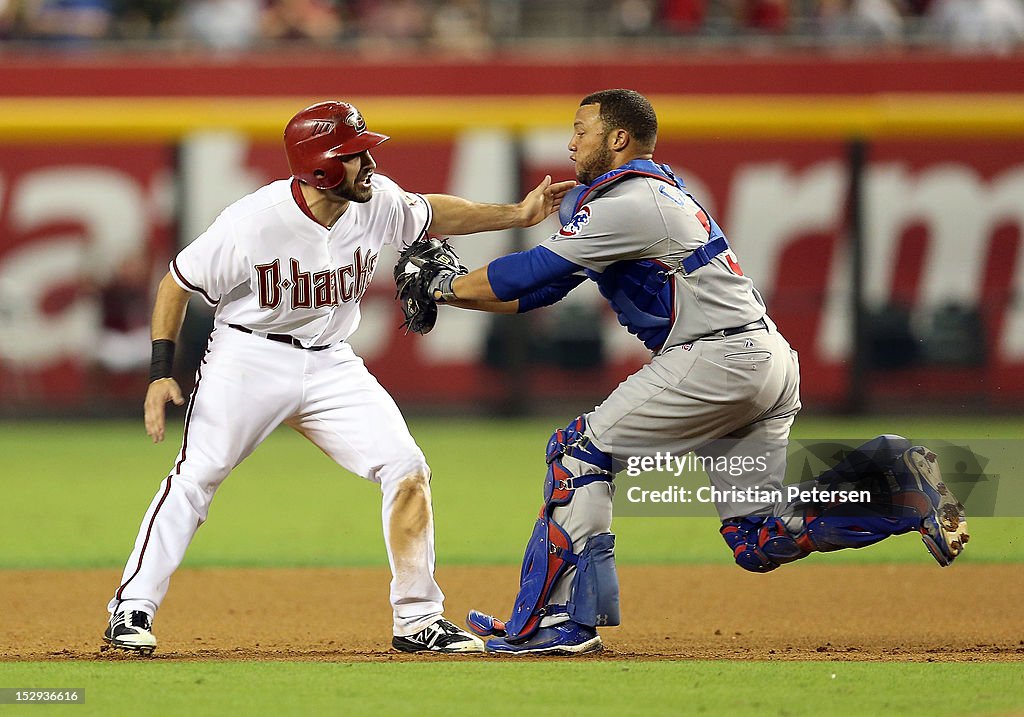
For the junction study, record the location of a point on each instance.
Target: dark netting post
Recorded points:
(514, 330)
(856, 397)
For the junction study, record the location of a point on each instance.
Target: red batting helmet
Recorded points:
(317, 136)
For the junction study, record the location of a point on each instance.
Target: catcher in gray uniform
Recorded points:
(722, 382)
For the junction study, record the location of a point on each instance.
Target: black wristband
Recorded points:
(163, 360)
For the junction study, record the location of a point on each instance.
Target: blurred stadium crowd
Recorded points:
(481, 25)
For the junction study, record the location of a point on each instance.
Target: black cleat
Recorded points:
(438, 636)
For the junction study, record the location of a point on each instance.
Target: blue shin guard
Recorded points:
(594, 602)
(549, 554)
(899, 499)
(836, 528)
(907, 495)
(595, 587)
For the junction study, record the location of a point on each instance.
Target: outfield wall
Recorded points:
(88, 182)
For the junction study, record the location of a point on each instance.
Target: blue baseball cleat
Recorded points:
(484, 625)
(567, 638)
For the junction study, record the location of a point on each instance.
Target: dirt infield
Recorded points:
(800, 612)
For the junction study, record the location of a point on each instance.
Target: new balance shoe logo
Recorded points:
(439, 636)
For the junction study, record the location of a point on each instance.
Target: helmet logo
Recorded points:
(321, 127)
(355, 120)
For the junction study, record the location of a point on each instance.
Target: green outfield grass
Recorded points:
(496, 687)
(73, 495)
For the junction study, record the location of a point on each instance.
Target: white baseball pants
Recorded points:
(247, 386)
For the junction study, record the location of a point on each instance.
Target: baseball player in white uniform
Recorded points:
(722, 382)
(285, 268)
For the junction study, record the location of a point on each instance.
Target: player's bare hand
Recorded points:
(157, 395)
(543, 200)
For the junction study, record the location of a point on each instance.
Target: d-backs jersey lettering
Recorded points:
(269, 266)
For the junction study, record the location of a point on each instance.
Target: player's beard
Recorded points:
(593, 166)
(354, 191)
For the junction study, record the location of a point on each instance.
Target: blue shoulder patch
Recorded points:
(575, 225)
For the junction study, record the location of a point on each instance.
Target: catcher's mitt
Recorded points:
(421, 266)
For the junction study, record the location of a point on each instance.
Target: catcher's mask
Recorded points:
(316, 138)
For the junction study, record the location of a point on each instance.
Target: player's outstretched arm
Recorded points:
(457, 216)
(477, 284)
(493, 307)
(168, 315)
(428, 273)
(475, 287)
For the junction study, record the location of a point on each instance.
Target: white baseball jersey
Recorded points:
(268, 265)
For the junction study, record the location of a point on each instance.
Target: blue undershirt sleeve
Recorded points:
(515, 275)
(550, 294)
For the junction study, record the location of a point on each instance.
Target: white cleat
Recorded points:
(131, 630)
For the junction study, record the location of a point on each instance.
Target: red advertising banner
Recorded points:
(85, 233)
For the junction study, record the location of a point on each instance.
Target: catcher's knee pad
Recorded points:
(573, 442)
(573, 462)
(761, 544)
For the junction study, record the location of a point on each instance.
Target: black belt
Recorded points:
(752, 326)
(283, 338)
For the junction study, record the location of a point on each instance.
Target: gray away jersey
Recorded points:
(643, 218)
